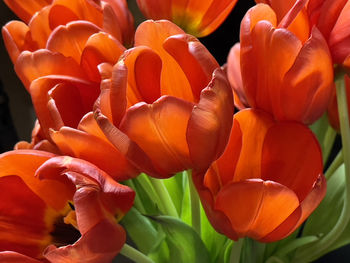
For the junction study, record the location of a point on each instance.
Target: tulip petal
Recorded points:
(99, 245)
(14, 257)
(257, 202)
(25, 219)
(126, 146)
(26, 9)
(194, 59)
(288, 144)
(70, 40)
(32, 65)
(17, 38)
(173, 80)
(78, 144)
(39, 26)
(308, 82)
(89, 125)
(155, 9)
(160, 130)
(98, 49)
(307, 206)
(54, 194)
(210, 123)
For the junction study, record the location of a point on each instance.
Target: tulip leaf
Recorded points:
(184, 243)
(175, 188)
(141, 231)
(326, 215)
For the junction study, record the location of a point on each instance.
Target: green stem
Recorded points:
(328, 142)
(195, 205)
(236, 251)
(135, 255)
(165, 198)
(311, 252)
(338, 160)
(137, 202)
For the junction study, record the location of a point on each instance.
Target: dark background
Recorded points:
(17, 115)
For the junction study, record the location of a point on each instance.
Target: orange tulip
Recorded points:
(44, 17)
(281, 74)
(59, 209)
(167, 105)
(196, 17)
(332, 17)
(268, 180)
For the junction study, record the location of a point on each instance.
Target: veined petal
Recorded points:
(194, 59)
(17, 38)
(70, 40)
(155, 9)
(26, 221)
(257, 202)
(210, 123)
(78, 144)
(126, 146)
(99, 48)
(173, 80)
(14, 257)
(32, 65)
(26, 9)
(160, 130)
(288, 144)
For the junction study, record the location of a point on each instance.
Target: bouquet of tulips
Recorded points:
(145, 146)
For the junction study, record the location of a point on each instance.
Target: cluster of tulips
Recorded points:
(142, 133)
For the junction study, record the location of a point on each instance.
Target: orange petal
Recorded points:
(307, 206)
(26, 221)
(210, 122)
(127, 147)
(78, 144)
(154, 9)
(262, 206)
(26, 9)
(89, 125)
(144, 75)
(39, 26)
(160, 130)
(100, 244)
(308, 82)
(99, 48)
(194, 59)
(87, 10)
(32, 65)
(253, 125)
(292, 157)
(173, 80)
(17, 38)
(14, 257)
(54, 194)
(40, 97)
(70, 40)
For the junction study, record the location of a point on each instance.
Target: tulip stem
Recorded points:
(135, 255)
(164, 197)
(235, 256)
(137, 201)
(335, 165)
(311, 252)
(195, 205)
(328, 142)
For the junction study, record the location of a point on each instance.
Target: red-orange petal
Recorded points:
(14, 257)
(210, 123)
(26, 9)
(154, 9)
(194, 59)
(160, 130)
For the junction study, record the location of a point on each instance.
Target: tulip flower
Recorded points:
(281, 74)
(42, 18)
(332, 18)
(59, 209)
(167, 104)
(199, 18)
(268, 180)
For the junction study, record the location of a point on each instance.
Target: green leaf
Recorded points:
(175, 188)
(141, 231)
(185, 246)
(326, 215)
